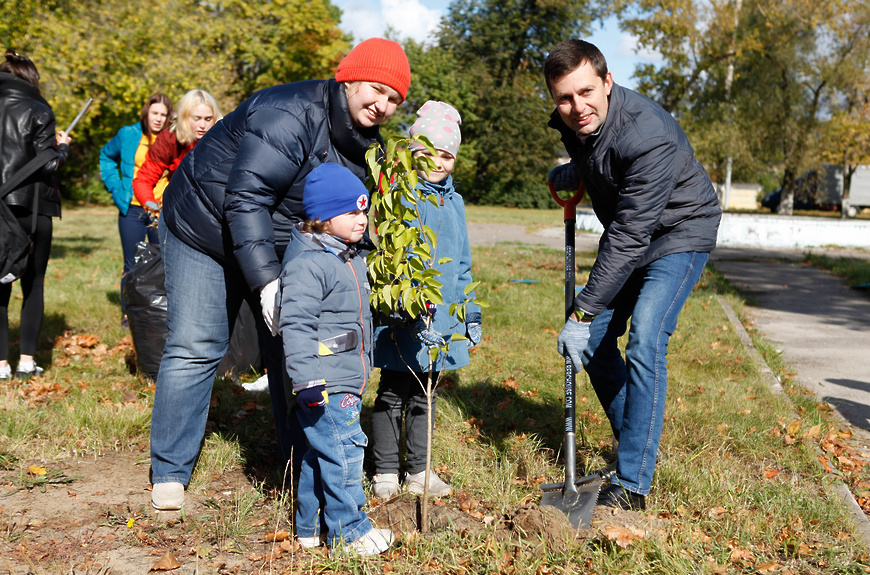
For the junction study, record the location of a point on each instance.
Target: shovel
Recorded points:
(576, 498)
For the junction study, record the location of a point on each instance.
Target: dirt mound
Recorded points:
(531, 522)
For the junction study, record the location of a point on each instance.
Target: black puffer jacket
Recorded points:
(27, 127)
(647, 189)
(238, 192)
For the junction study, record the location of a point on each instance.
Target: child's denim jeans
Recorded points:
(331, 478)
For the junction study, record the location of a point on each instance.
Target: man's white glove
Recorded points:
(269, 304)
(572, 341)
(565, 177)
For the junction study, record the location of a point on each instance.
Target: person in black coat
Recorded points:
(661, 217)
(226, 220)
(27, 127)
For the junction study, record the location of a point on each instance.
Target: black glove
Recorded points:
(565, 177)
(312, 397)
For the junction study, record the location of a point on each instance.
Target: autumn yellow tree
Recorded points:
(121, 51)
(786, 57)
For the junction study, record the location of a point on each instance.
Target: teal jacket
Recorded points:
(117, 163)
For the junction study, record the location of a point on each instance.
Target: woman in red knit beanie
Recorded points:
(226, 221)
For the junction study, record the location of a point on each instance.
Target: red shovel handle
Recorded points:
(570, 204)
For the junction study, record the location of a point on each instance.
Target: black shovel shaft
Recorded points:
(570, 410)
(570, 213)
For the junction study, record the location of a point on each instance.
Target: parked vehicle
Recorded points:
(822, 188)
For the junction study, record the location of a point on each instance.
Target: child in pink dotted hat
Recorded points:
(401, 399)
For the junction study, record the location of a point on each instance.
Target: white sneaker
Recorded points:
(372, 543)
(310, 542)
(6, 372)
(437, 488)
(386, 485)
(167, 496)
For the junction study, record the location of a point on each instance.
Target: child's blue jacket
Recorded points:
(325, 317)
(393, 344)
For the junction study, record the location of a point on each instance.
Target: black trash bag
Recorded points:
(145, 293)
(243, 354)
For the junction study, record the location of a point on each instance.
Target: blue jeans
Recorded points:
(133, 228)
(203, 300)
(632, 390)
(330, 481)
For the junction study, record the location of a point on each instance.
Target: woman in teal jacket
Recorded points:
(119, 161)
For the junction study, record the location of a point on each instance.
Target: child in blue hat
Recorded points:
(326, 327)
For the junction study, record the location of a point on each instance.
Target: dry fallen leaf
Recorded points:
(717, 512)
(623, 536)
(793, 427)
(825, 463)
(35, 470)
(770, 473)
(743, 556)
(166, 563)
(279, 535)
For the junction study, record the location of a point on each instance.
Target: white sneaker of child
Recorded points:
(385, 485)
(437, 488)
(372, 543)
(310, 542)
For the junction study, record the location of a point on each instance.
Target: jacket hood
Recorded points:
(301, 241)
(445, 187)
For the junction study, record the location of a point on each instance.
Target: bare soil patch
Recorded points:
(94, 517)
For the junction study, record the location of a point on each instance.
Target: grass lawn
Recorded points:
(739, 487)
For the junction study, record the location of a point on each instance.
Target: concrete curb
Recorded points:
(841, 490)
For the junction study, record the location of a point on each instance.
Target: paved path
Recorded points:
(821, 325)
(490, 234)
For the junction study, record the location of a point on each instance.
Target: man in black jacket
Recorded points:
(661, 216)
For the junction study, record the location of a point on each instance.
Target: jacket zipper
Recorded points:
(363, 327)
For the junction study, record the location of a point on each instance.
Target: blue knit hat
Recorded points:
(332, 190)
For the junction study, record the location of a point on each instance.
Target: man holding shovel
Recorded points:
(660, 215)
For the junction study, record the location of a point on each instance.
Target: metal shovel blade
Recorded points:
(577, 504)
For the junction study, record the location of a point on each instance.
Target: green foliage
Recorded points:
(119, 52)
(401, 269)
(487, 63)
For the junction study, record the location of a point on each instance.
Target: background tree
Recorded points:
(487, 61)
(121, 51)
(788, 60)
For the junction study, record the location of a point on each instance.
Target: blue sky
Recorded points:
(417, 20)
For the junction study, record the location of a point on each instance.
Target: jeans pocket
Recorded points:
(354, 450)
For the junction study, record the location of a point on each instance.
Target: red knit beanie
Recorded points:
(377, 60)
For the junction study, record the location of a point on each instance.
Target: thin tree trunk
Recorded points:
(424, 514)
